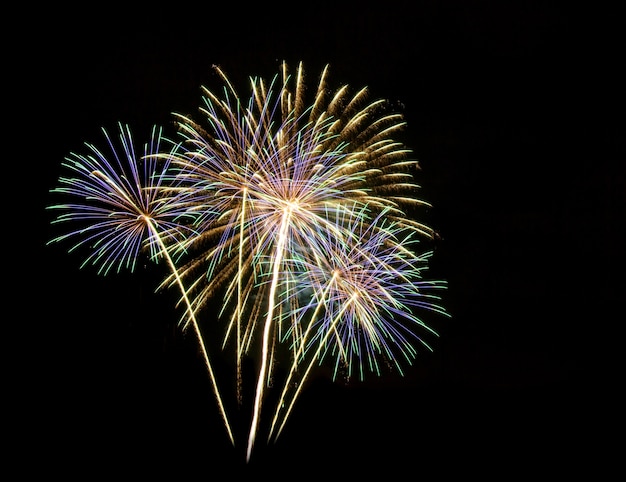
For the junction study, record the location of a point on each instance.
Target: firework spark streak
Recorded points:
(294, 212)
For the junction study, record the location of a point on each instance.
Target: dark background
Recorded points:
(515, 111)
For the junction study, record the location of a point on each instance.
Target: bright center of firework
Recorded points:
(291, 206)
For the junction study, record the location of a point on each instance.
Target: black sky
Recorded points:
(515, 111)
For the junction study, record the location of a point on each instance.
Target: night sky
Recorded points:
(515, 112)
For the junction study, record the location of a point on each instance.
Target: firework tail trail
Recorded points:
(152, 227)
(196, 329)
(320, 345)
(267, 330)
(294, 365)
(239, 292)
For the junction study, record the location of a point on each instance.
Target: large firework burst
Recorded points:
(283, 184)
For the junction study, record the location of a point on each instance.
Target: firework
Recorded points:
(121, 204)
(275, 176)
(291, 208)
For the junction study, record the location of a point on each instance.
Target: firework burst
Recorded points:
(357, 301)
(290, 207)
(274, 176)
(122, 205)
